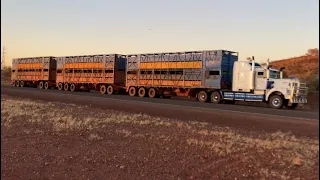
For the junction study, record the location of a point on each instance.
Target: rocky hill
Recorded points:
(304, 67)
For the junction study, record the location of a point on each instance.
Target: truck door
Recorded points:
(260, 80)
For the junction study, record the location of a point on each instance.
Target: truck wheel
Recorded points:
(293, 106)
(72, 87)
(66, 87)
(142, 92)
(216, 97)
(46, 85)
(110, 90)
(132, 91)
(103, 89)
(202, 96)
(152, 93)
(16, 83)
(60, 86)
(41, 85)
(21, 84)
(276, 102)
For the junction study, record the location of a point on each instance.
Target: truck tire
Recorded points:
(72, 87)
(103, 89)
(276, 102)
(132, 91)
(21, 84)
(41, 85)
(66, 87)
(216, 97)
(46, 85)
(152, 93)
(110, 90)
(16, 83)
(142, 92)
(202, 96)
(60, 86)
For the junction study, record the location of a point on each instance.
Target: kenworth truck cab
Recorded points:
(254, 82)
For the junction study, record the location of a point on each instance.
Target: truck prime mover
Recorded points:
(213, 75)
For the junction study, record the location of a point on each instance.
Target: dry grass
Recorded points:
(284, 148)
(5, 76)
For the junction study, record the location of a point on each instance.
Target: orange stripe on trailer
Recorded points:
(83, 65)
(30, 66)
(169, 83)
(88, 80)
(171, 65)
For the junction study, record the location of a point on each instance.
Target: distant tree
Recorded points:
(313, 52)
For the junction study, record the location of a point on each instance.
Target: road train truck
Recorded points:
(34, 71)
(214, 75)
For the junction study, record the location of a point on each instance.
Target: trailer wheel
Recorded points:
(60, 86)
(142, 92)
(103, 89)
(152, 93)
(216, 97)
(46, 85)
(276, 102)
(16, 83)
(21, 84)
(110, 90)
(72, 87)
(41, 85)
(66, 87)
(202, 96)
(132, 91)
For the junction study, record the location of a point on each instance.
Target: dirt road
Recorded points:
(51, 140)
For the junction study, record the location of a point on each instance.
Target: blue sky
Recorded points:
(272, 29)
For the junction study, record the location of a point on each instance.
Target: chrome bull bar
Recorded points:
(299, 93)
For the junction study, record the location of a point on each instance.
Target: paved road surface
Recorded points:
(186, 103)
(251, 118)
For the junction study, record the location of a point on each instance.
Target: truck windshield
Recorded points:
(274, 74)
(255, 64)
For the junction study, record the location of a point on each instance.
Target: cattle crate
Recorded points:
(179, 73)
(34, 71)
(105, 73)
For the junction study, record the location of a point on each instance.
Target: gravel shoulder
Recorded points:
(51, 140)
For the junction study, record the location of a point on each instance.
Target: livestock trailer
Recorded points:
(179, 73)
(105, 73)
(34, 71)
